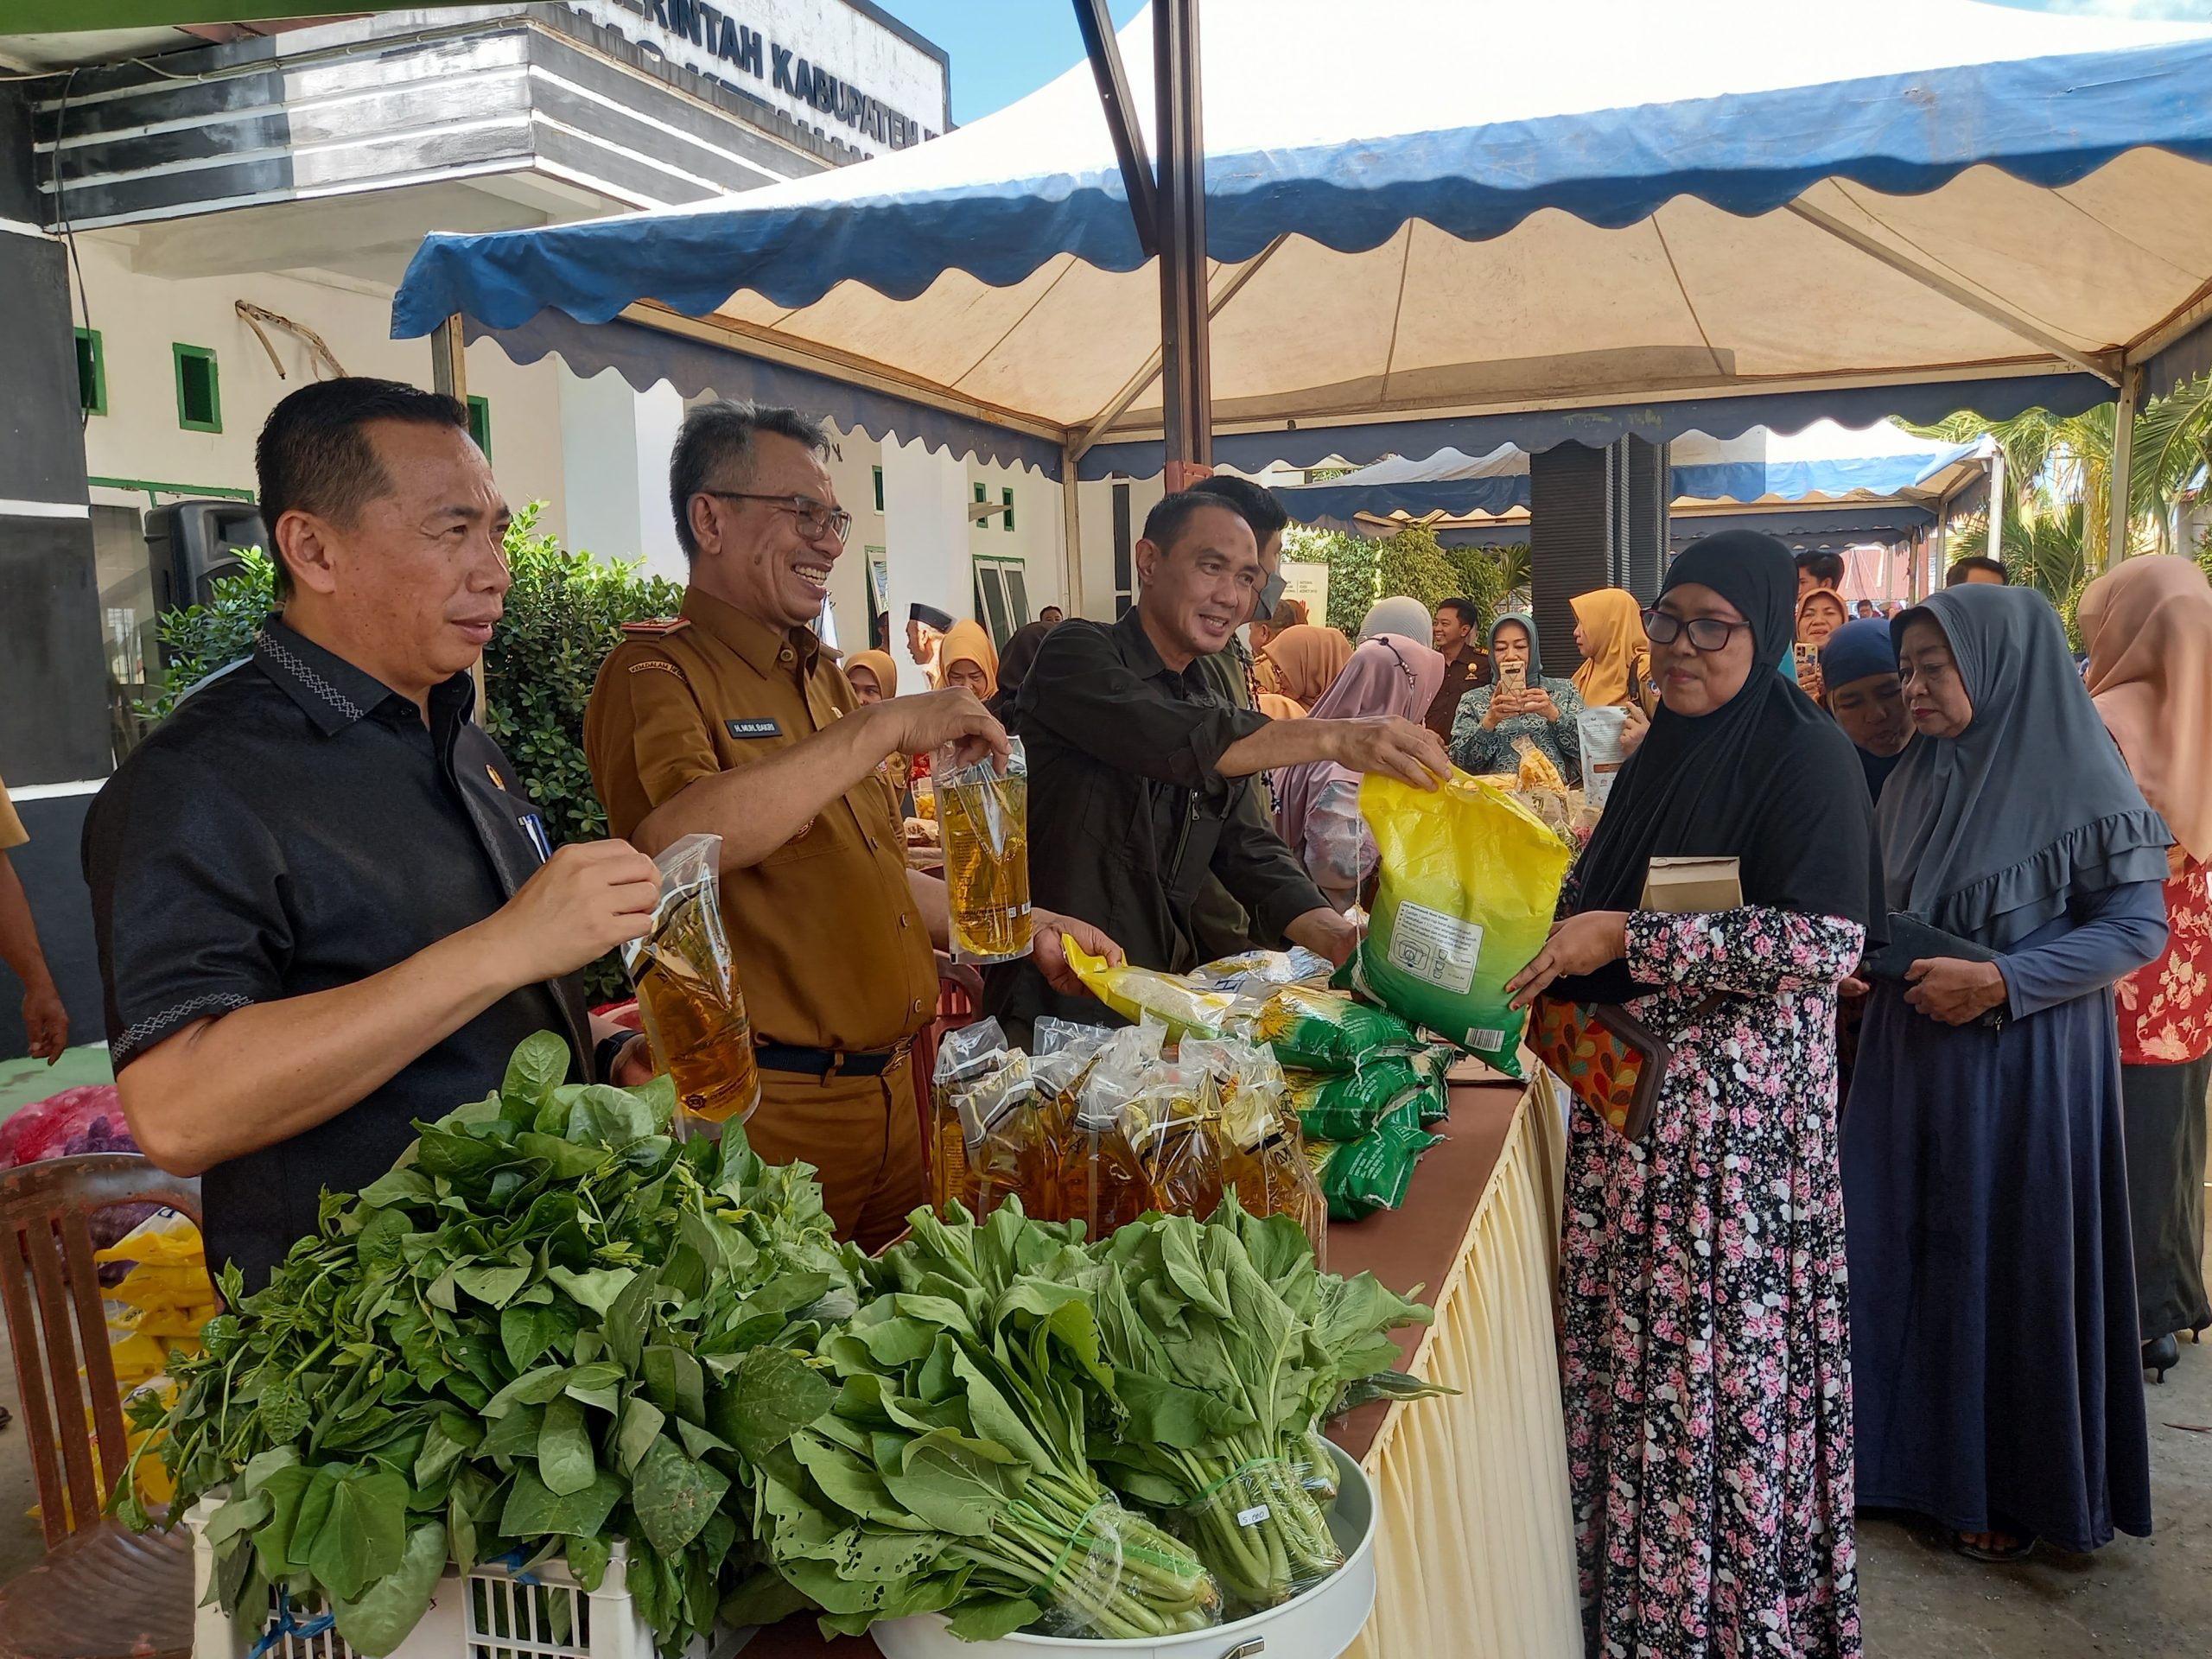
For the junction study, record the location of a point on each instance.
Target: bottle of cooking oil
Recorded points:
(983, 817)
(688, 991)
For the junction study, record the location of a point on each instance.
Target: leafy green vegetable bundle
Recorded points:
(1007, 1384)
(1229, 1350)
(952, 1473)
(548, 1328)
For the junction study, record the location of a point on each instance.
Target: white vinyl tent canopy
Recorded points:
(1429, 214)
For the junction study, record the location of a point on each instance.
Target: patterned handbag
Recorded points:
(1605, 1055)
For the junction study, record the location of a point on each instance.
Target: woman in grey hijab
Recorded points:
(1994, 1357)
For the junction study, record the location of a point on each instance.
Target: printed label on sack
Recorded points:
(1488, 1036)
(1253, 1516)
(1430, 945)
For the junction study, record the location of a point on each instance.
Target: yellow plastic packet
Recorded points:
(1133, 993)
(1469, 882)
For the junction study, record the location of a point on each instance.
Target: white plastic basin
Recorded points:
(1319, 1624)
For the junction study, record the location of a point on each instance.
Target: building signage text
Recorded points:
(720, 34)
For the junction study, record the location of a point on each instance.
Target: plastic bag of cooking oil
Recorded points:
(1264, 1150)
(1320, 1030)
(1062, 1054)
(1134, 993)
(983, 814)
(965, 1058)
(687, 992)
(1103, 1176)
(1002, 1136)
(1177, 1132)
(1468, 882)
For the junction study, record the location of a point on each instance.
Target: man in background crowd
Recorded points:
(1975, 568)
(927, 626)
(46, 1022)
(1466, 664)
(1051, 616)
(1818, 570)
(1863, 609)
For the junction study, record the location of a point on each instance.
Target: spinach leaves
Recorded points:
(550, 1327)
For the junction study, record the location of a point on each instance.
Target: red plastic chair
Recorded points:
(102, 1592)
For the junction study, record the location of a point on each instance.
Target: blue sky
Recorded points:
(1002, 49)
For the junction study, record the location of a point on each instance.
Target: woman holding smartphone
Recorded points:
(1520, 702)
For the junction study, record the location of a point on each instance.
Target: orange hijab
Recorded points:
(1303, 662)
(966, 642)
(2148, 625)
(1612, 629)
(879, 664)
(1275, 706)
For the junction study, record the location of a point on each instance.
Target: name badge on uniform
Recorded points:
(534, 827)
(753, 727)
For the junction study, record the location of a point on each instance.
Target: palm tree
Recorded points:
(2058, 479)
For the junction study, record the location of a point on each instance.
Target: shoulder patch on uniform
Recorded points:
(661, 663)
(652, 627)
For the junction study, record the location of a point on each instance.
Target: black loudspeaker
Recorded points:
(1573, 493)
(189, 543)
(1642, 548)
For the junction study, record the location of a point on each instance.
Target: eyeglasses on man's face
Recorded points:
(1707, 634)
(816, 518)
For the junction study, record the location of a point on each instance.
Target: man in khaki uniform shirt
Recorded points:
(735, 720)
(46, 1022)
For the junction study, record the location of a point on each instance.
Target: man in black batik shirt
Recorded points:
(324, 903)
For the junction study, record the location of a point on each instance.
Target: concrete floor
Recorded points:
(2141, 1597)
(2146, 1598)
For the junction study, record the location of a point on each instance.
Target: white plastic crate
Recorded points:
(491, 1614)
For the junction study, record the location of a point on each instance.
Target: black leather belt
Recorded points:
(827, 1062)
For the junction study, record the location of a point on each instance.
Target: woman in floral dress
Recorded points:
(2148, 625)
(1704, 1357)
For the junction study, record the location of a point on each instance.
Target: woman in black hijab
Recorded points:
(1703, 1358)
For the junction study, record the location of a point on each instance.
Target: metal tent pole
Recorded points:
(2123, 464)
(1185, 361)
(1170, 213)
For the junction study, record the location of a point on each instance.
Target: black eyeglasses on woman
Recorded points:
(1706, 632)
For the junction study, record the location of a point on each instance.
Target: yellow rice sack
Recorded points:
(1469, 879)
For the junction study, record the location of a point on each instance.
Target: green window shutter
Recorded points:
(878, 471)
(199, 389)
(1007, 496)
(479, 423)
(92, 372)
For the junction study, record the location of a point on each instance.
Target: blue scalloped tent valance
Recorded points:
(646, 356)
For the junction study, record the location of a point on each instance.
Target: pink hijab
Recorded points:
(2148, 625)
(1389, 674)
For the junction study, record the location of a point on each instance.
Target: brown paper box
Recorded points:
(1683, 886)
